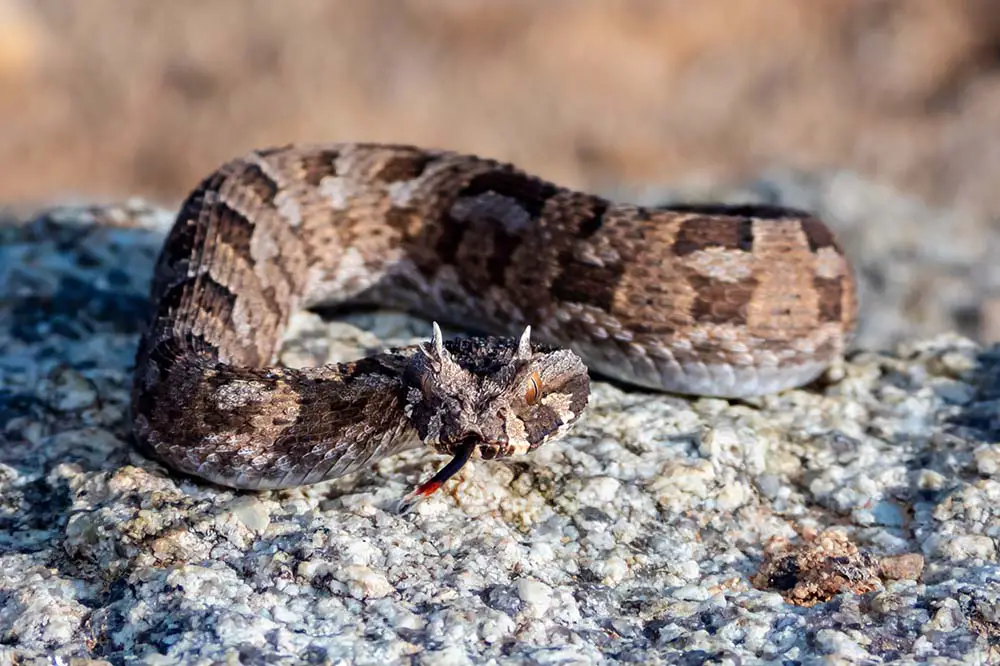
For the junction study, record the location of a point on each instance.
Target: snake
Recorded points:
(708, 299)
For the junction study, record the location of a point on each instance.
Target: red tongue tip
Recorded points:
(422, 491)
(428, 488)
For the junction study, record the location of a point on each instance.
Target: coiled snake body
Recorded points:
(709, 299)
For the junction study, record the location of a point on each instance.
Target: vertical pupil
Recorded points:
(534, 389)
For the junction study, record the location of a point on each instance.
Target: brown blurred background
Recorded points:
(110, 98)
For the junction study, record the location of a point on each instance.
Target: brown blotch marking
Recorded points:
(831, 293)
(167, 354)
(594, 221)
(818, 235)
(212, 305)
(289, 276)
(449, 239)
(587, 284)
(204, 294)
(406, 221)
(232, 227)
(178, 250)
(267, 152)
(270, 297)
(403, 167)
(235, 231)
(755, 211)
(440, 243)
(317, 166)
(484, 255)
(185, 236)
(665, 327)
(362, 369)
(176, 297)
(540, 421)
(531, 193)
(701, 233)
(504, 246)
(719, 302)
(320, 397)
(168, 351)
(654, 307)
(579, 388)
(253, 178)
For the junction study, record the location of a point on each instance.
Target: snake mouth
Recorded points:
(463, 453)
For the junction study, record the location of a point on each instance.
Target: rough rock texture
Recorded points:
(635, 540)
(824, 565)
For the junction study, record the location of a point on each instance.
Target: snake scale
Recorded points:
(716, 300)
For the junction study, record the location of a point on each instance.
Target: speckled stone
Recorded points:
(633, 540)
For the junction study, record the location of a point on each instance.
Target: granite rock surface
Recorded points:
(654, 533)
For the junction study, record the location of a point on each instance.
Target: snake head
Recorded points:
(495, 397)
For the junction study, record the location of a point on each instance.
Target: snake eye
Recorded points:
(534, 392)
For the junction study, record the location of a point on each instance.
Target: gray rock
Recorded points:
(634, 539)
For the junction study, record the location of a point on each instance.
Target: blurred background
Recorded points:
(107, 99)
(110, 98)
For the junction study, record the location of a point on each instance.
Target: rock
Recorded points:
(635, 538)
(826, 565)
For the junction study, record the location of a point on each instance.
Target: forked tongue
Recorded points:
(427, 488)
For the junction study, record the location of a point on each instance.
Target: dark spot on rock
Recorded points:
(503, 598)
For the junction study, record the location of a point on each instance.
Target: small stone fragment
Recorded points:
(826, 565)
(902, 567)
